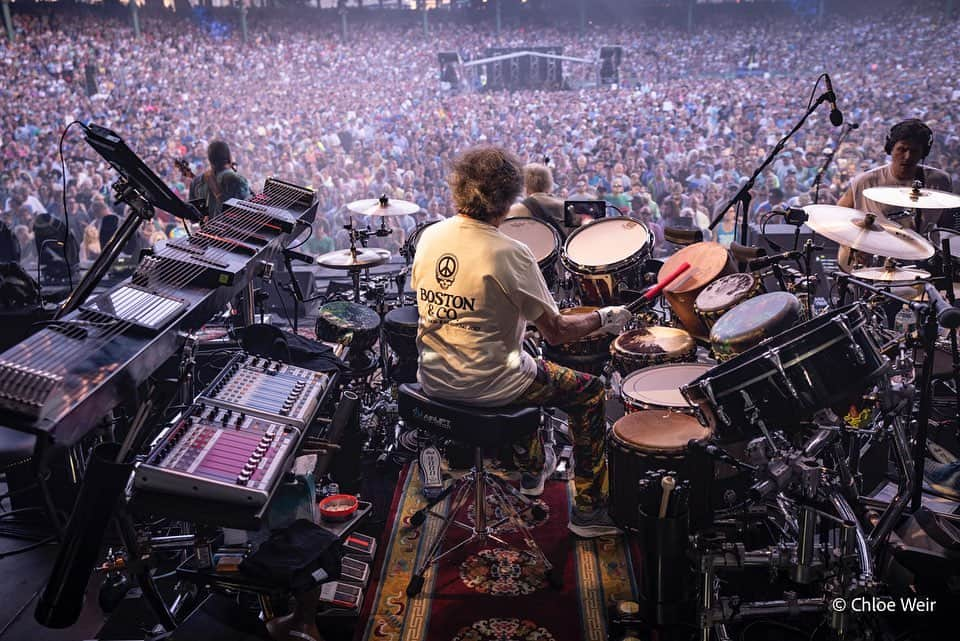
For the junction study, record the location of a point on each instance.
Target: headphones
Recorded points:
(911, 129)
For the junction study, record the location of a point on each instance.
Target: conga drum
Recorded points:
(639, 348)
(752, 321)
(589, 354)
(708, 262)
(643, 442)
(723, 294)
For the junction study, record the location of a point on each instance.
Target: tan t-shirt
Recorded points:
(476, 289)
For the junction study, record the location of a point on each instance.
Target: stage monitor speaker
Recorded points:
(783, 237)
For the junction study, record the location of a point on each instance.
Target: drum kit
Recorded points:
(751, 408)
(739, 403)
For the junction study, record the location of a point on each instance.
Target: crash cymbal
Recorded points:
(865, 232)
(345, 259)
(383, 206)
(908, 198)
(890, 276)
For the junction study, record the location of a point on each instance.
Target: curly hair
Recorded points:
(485, 181)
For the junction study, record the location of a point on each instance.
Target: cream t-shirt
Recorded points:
(476, 289)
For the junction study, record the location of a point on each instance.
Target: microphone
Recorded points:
(765, 261)
(654, 290)
(682, 235)
(295, 255)
(948, 316)
(719, 454)
(744, 253)
(836, 117)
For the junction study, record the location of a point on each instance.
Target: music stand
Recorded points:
(138, 187)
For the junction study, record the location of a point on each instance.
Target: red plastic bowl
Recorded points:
(338, 507)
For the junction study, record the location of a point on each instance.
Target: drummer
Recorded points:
(539, 201)
(908, 143)
(476, 290)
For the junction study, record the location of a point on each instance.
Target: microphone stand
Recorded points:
(833, 152)
(742, 198)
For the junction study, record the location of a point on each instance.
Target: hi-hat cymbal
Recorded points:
(908, 198)
(869, 233)
(345, 259)
(383, 206)
(891, 275)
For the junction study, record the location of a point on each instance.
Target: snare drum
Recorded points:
(639, 348)
(708, 262)
(646, 441)
(606, 257)
(589, 354)
(658, 387)
(825, 362)
(752, 321)
(723, 294)
(400, 330)
(541, 238)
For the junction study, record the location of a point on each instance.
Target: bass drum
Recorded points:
(828, 361)
(409, 249)
(606, 257)
(543, 241)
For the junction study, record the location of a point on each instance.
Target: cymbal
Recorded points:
(869, 233)
(383, 206)
(891, 275)
(344, 258)
(908, 199)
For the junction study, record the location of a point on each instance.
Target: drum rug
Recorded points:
(494, 594)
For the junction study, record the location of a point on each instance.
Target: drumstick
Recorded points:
(667, 483)
(654, 291)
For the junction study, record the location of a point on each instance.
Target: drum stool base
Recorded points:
(480, 484)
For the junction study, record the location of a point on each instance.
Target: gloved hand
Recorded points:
(612, 319)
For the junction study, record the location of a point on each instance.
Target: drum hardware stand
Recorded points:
(928, 329)
(363, 236)
(948, 274)
(741, 200)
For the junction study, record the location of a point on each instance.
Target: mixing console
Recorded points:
(222, 455)
(269, 389)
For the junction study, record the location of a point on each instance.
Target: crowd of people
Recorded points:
(692, 117)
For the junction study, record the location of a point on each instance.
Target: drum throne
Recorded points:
(477, 428)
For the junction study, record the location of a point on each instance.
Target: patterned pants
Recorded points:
(581, 396)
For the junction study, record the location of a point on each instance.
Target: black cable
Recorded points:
(66, 214)
(304, 241)
(283, 305)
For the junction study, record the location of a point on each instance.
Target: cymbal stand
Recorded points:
(948, 274)
(928, 330)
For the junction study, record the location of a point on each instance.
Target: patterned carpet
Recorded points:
(495, 594)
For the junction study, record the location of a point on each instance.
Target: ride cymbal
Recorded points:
(910, 198)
